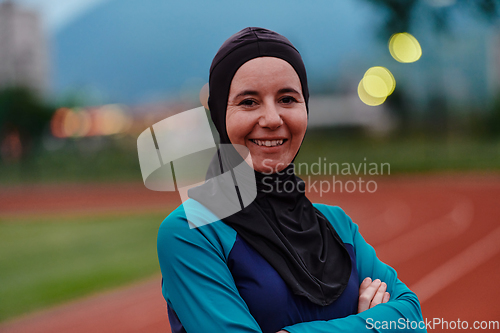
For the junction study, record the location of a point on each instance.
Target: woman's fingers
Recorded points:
(379, 295)
(387, 297)
(366, 297)
(365, 284)
(372, 293)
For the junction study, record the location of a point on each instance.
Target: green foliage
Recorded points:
(78, 160)
(23, 111)
(400, 14)
(46, 261)
(493, 120)
(410, 154)
(117, 161)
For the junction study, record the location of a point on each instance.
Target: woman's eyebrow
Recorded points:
(247, 92)
(255, 93)
(287, 90)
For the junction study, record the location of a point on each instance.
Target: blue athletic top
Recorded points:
(214, 281)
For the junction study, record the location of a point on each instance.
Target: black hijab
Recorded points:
(280, 223)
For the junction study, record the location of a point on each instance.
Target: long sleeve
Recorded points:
(199, 286)
(197, 283)
(401, 314)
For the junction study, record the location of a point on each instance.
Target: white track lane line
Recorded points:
(387, 225)
(429, 235)
(473, 256)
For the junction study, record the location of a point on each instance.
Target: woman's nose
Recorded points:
(271, 117)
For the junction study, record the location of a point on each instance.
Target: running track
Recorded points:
(441, 234)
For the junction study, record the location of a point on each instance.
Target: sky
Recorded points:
(57, 13)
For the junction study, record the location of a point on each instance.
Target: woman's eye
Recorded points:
(247, 102)
(288, 100)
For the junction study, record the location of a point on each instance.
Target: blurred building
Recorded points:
(23, 48)
(349, 111)
(494, 63)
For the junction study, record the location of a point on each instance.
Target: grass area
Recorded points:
(90, 159)
(405, 155)
(117, 160)
(44, 261)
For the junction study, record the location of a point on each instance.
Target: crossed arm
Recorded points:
(371, 293)
(403, 306)
(199, 286)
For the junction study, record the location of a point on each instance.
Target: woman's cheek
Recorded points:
(300, 123)
(239, 126)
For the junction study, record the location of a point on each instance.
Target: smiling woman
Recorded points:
(266, 112)
(281, 263)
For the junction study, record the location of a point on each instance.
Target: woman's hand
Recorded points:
(372, 293)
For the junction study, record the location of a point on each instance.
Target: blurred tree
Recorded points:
(400, 13)
(399, 108)
(493, 119)
(401, 16)
(23, 119)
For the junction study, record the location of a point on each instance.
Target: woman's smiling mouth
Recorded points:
(269, 143)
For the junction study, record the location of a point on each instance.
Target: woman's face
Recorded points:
(266, 112)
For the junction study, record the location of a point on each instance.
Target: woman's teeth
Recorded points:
(268, 143)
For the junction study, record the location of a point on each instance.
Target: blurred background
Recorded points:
(81, 79)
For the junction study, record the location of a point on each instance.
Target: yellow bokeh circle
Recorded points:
(367, 98)
(377, 83)
(404, 47)
(384, 75)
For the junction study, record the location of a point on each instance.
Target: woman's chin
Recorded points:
(269, 166)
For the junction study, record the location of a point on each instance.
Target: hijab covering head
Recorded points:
(281, 224)
(241, 47)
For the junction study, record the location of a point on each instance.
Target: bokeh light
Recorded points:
(377, 83)
(375, 86)
(404, 47)
(99, 121)
(367, 98)
(76, 123)
(111, 120)
(57, 123)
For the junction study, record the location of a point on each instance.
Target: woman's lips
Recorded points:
(267, 143)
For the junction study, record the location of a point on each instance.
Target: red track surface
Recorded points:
(442, 234)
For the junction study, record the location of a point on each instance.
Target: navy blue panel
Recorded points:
(272, 303)
(175, 323)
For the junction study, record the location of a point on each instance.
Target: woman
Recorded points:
(281, 264)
